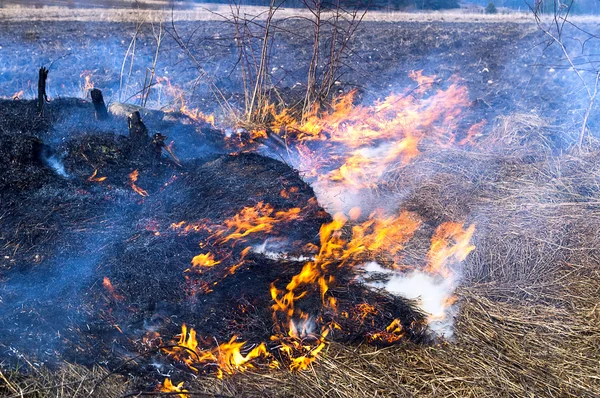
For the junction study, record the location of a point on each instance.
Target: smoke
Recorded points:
(433, 294)
(37, 304)
(55, 164)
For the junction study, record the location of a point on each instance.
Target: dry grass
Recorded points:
(67, 381)
(216, 12)
(529, 319)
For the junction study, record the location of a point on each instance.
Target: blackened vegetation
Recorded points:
(64, 235)
(99, 105)
(42, 96)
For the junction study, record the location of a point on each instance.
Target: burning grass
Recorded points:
(224, 273)
(527, 322)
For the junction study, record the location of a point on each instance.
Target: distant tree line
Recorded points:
(544, 6)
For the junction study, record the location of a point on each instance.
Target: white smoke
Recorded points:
(275, 250)
(56, 165)
(432, 293)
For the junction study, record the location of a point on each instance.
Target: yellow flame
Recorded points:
(227, 356)
(168, 386)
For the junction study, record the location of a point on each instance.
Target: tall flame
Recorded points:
(87, 83)
(350, 147)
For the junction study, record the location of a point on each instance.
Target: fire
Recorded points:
(227, 356)
(17, 95)
(442, 252)
(204, 260)
(353, 145)
(392, 333)
(87, 83)
(363, 310)
(252, 220)
(178, 97)
(168, 386)
(377, 234)
(343, 244)
(110, 288)
(301, 354)
(93, 177)
(302, 362)
(133, 177)
(184, 228)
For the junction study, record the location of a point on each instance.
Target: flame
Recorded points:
(302, 362)
(252, 220)
(342, 245)
(87, 83)
(392, 333)
(109, 287)
(442, 252)
(168, 386)
(227, 356)
(364, 310)
(178, 97)
(352, 146)
(376, 235)
(185, 228)
(299, 353)
(133, 177)
(93, 177)
(17, 95)
(204, 260)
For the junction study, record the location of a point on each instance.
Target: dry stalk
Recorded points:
(130, 50)
(560, 19)
(149, 80)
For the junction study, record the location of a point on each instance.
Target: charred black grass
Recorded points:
(63, 236)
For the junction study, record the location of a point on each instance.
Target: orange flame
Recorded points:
(17, 95)
(393, 332)
(168, 386)
(87, 84)
(377, 234)
(204, 260)
(367, 140)
(110, 288)
(442, 252)
(178, 95)
(93, 177)
(226, 356)
(133, 177)
(352, 147)
(252, 220)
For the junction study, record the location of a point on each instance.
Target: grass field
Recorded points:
(528, 321)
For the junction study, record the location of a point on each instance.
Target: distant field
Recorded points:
(157, 10)
(154, 10)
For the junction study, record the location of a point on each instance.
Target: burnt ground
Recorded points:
(62, 235)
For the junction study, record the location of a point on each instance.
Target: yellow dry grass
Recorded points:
(218, 12)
